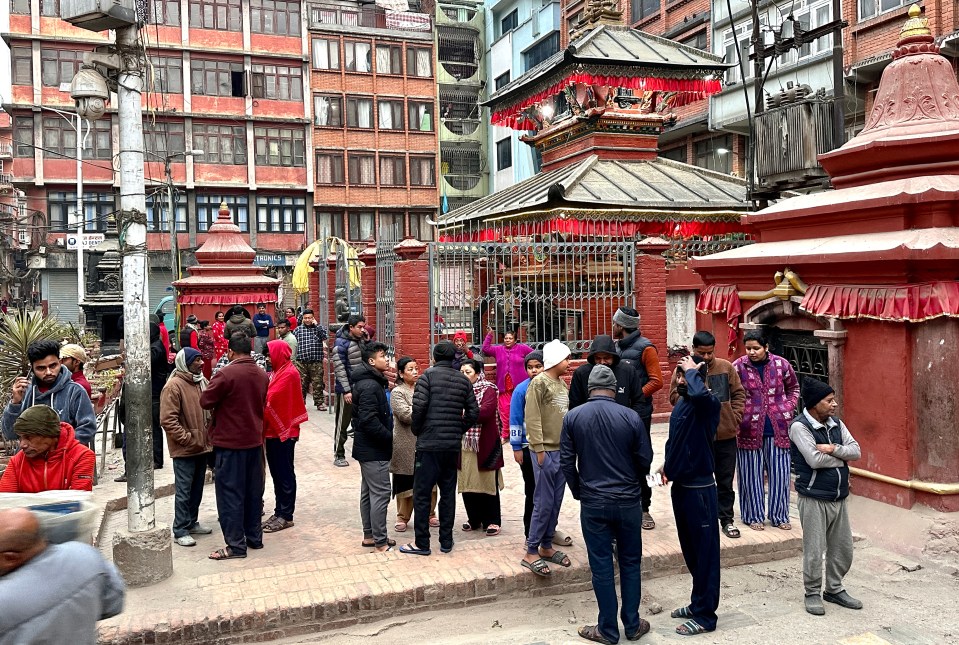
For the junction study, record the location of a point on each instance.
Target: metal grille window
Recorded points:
(277, 82)
(422, 171)
(280, 214)
(389, 59)
(419, 62)
(328, 111)
(504, 153)
(216, 78)
(164, 12)
(60, 138)
(279, 146)
(640, 9)
(221, 144)
(21, 60)
(62, 208)
(392, 170)
(21, 7)
(166, 73)
(361, 227)
(714, 154)
(23, 137)
(359, 113)
(329, 168)
(326, 53)
(357, 56)
(390, 114)
(158, 212)
(58, 66)
(502, 80)
(420, 115)
(163, 138)
(362, 169)
(275, 17)
(224, 15)
(329, 225)
(541, 51)
(459, 104)
(208, 209)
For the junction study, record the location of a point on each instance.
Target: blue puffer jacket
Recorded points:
(70, 401)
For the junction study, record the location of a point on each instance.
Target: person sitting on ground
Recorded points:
(73, 357)
(50, 384)
(55, 593)
(50, 457)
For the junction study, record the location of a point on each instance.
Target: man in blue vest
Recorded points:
(821, 450)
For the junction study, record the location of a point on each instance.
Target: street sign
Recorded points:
(89, 241)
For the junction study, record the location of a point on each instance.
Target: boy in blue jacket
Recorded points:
(689, 466)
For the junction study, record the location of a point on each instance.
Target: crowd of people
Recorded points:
(446, 430)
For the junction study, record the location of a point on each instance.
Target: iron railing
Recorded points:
(385, 293)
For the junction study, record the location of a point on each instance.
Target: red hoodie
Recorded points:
(68, 466)
(285, 410)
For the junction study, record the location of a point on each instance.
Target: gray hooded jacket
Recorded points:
(70, 401)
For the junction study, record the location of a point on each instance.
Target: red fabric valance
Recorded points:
(513, 117)
(594, 228)
(227, 298)
(722, 299)
(901, 303)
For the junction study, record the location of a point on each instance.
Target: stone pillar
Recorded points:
(411, 275)
(649, 287)
(368, 287)
(834, 338)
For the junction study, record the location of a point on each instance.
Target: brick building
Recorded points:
(373, 87)
(228, 77)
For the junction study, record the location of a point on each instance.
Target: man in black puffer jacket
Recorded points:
(444, 408)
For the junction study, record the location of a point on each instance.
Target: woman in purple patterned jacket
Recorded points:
(772, 393)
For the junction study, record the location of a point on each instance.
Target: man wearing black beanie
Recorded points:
(821, 448)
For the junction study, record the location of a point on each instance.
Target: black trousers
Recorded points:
(482, 510)
(434, 469)
(696, 515)
(279, 457)
(157, 435)
(724, 456)
(529, 485)
(239, 496)
(647, 491)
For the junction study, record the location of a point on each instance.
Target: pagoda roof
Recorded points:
(626, 189)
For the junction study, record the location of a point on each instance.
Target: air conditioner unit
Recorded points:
(99, 15)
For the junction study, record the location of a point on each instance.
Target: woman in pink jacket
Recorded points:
(510, 368)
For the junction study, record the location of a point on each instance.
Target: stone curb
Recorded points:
(295, 612)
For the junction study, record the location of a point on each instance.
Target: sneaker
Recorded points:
(814, 605)
(843, 599)
(447, 548)
(200, 529)
(340, 462)
(121, 478)
(186, 540)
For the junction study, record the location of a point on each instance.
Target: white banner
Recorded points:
(87, 241)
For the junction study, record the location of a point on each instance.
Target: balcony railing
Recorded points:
(6, 179)
(372, 17)
(681, 250)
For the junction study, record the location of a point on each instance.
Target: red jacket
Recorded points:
(68, 466)
(80, 379)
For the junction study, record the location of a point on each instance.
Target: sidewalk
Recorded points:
(316, 576)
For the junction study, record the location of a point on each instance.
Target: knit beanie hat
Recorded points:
(626, 317)
(554, 353)
(533, 356)
(814, 391)
(444, 351)
(601, 378)
(39, 421)
(461, 335)
(190, 355)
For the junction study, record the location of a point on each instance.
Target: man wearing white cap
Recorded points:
(547, 401)
(72, 356)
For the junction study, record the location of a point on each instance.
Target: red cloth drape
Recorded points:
(722, 299)
(591, 228)
(227, 298)
(898, 303)
(513, 117)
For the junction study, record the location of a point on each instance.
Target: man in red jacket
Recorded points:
(50, 457)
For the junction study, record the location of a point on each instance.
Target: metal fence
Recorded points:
(540, 289)
(385, 292)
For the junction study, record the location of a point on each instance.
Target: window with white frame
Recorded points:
(735, 73)
(276, 214)
(208, 210)
(870, 8)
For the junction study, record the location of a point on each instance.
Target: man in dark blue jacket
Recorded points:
(689, 465)
(605, 455)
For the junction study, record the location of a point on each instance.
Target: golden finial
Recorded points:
(917, 25)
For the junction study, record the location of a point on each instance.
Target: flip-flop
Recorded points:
(225, 554)
(466, 527)
(682, 612)
(492, 529)
(539, 567)
(559, 558)
(690, 628)
(412, 549)
(591, 633)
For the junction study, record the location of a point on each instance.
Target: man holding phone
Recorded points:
(48, 383)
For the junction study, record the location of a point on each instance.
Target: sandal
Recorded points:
(539, 567)
(559, 558)
(467, 527)
(757, 526)
(400, 527)
(690, 628)
(275, 524)
(434, 521)
(648, 522)
(644, 628)
(785, 526)
(225, 554)
(730, 531)
(562, 538)
(591, 633)
(682, 612)
(371, 543)
(492, 529)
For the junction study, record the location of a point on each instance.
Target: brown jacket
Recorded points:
(404, 443)
(731, 412)
(182, 418)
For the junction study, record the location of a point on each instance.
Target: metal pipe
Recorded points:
(81, 290)
(935, 488)
(838, 81)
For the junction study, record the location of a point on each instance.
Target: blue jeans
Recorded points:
(602, 523)
(189, 474)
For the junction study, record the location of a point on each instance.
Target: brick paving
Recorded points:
(316, 576)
